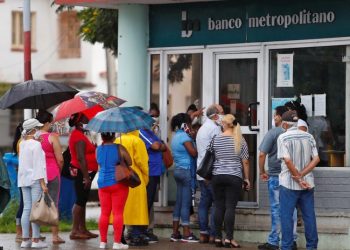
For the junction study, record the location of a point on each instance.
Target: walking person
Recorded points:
(298, 152)
(83, 169)
(32, 179)
(51, 145)
(231, 170)
(268, 147)
(183, 150)
(210, 128)
(112, 195)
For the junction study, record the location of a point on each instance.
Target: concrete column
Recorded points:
(132, 54)
(347, 110)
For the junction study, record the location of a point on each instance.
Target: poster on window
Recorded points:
(285, 70)
(233, 91)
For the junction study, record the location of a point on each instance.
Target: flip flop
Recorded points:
(58, 241)
(79, 236)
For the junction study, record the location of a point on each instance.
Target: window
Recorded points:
(155, 77)
(319, 70)
(69, 35)
(17, 30)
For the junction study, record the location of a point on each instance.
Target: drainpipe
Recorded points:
(27, 48)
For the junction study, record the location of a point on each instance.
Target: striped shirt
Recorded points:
(227, 161)
(300, 147)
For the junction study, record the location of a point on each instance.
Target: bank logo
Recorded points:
(188, 25)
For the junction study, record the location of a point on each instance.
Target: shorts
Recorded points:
(82, 193)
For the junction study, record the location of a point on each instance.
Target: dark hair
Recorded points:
(74, 119)
(44, 116)
(178, 119)
(16, 138)
(280, 110)
(154, 106)
(299, 108)
(192, 107)
(107, 136)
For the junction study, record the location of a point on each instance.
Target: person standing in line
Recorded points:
(154, 147)
(136, 211)
(83, 169)
(112, 195)
(51, 145)
(298, 152)
(32, 179)
(231, 151)
(268, 147)
(183, 149)
(210, 128)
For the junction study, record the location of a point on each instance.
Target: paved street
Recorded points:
(8, 243)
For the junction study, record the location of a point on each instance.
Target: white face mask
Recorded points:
(84, 126)
(219, 120)
(37, 134)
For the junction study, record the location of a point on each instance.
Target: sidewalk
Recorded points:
(7, 241)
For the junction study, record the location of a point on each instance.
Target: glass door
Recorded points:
(237, 93)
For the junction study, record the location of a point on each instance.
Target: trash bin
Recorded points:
(11, 162)
(67, 198)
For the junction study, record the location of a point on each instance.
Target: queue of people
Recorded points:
(290, 184)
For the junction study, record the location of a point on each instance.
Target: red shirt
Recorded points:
(90, 149)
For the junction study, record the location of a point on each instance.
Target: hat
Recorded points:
(31, 123)
(302, 123)
(290, 116)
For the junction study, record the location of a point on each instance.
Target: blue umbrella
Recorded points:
(120, 120)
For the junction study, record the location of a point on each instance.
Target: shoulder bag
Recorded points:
(44, 211)
(205, 169)
(125, 174)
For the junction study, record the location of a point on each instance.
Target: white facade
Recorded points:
(45, 55)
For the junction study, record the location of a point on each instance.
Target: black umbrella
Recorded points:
(36, 94)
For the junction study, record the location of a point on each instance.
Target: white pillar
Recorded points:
(347, 110)
(132, 54)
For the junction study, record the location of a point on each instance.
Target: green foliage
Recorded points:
(8, 221)
(179, 63)
(100, 25)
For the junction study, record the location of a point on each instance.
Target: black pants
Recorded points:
(227, 189)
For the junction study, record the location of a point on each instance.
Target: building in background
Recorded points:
(58, 54)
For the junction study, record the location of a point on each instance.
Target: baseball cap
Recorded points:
(31, 123)
(290, 116)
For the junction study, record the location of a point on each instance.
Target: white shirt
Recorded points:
(31, 163)
(204, 135)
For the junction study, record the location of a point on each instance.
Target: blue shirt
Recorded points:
(155, 158)
(107, 159)
(181, 156)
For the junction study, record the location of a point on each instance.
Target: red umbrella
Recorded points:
(89, 103)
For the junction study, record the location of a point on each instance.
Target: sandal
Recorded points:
(58, 240)
(79, 236)
(90, 234)
(231, 244)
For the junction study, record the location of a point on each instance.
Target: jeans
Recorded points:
(227, 189)
(30, 194)
(205, 203)
(274, 193)
(289, 199)
(183, 196)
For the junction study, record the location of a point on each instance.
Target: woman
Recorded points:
(51, 145)
(31, 179)
(112, 195)
(231, 151)
(184, 151)
(83, 169)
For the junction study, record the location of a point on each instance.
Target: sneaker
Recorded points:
(26, 243)
(138, 241)
(268, 246)
(175, 237)
(103, 245)
(190, 239)
(39, 244)
(152, 238)
(120, 246)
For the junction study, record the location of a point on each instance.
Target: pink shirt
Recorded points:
(52, 167)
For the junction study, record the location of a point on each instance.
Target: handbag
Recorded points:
(205, 169)
(167, 157)
(44, 211)
(125, 174)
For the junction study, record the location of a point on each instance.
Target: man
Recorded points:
(268, 147)
(207, 131)
(154, 147)
(298, 152)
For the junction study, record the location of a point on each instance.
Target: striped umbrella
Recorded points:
(120, 120)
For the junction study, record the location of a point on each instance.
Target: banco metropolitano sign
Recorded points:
(300, 18)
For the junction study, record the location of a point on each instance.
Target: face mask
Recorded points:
(185, 128)
(84, 126)
(37, 135)
(156, 119)
(219, 120)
